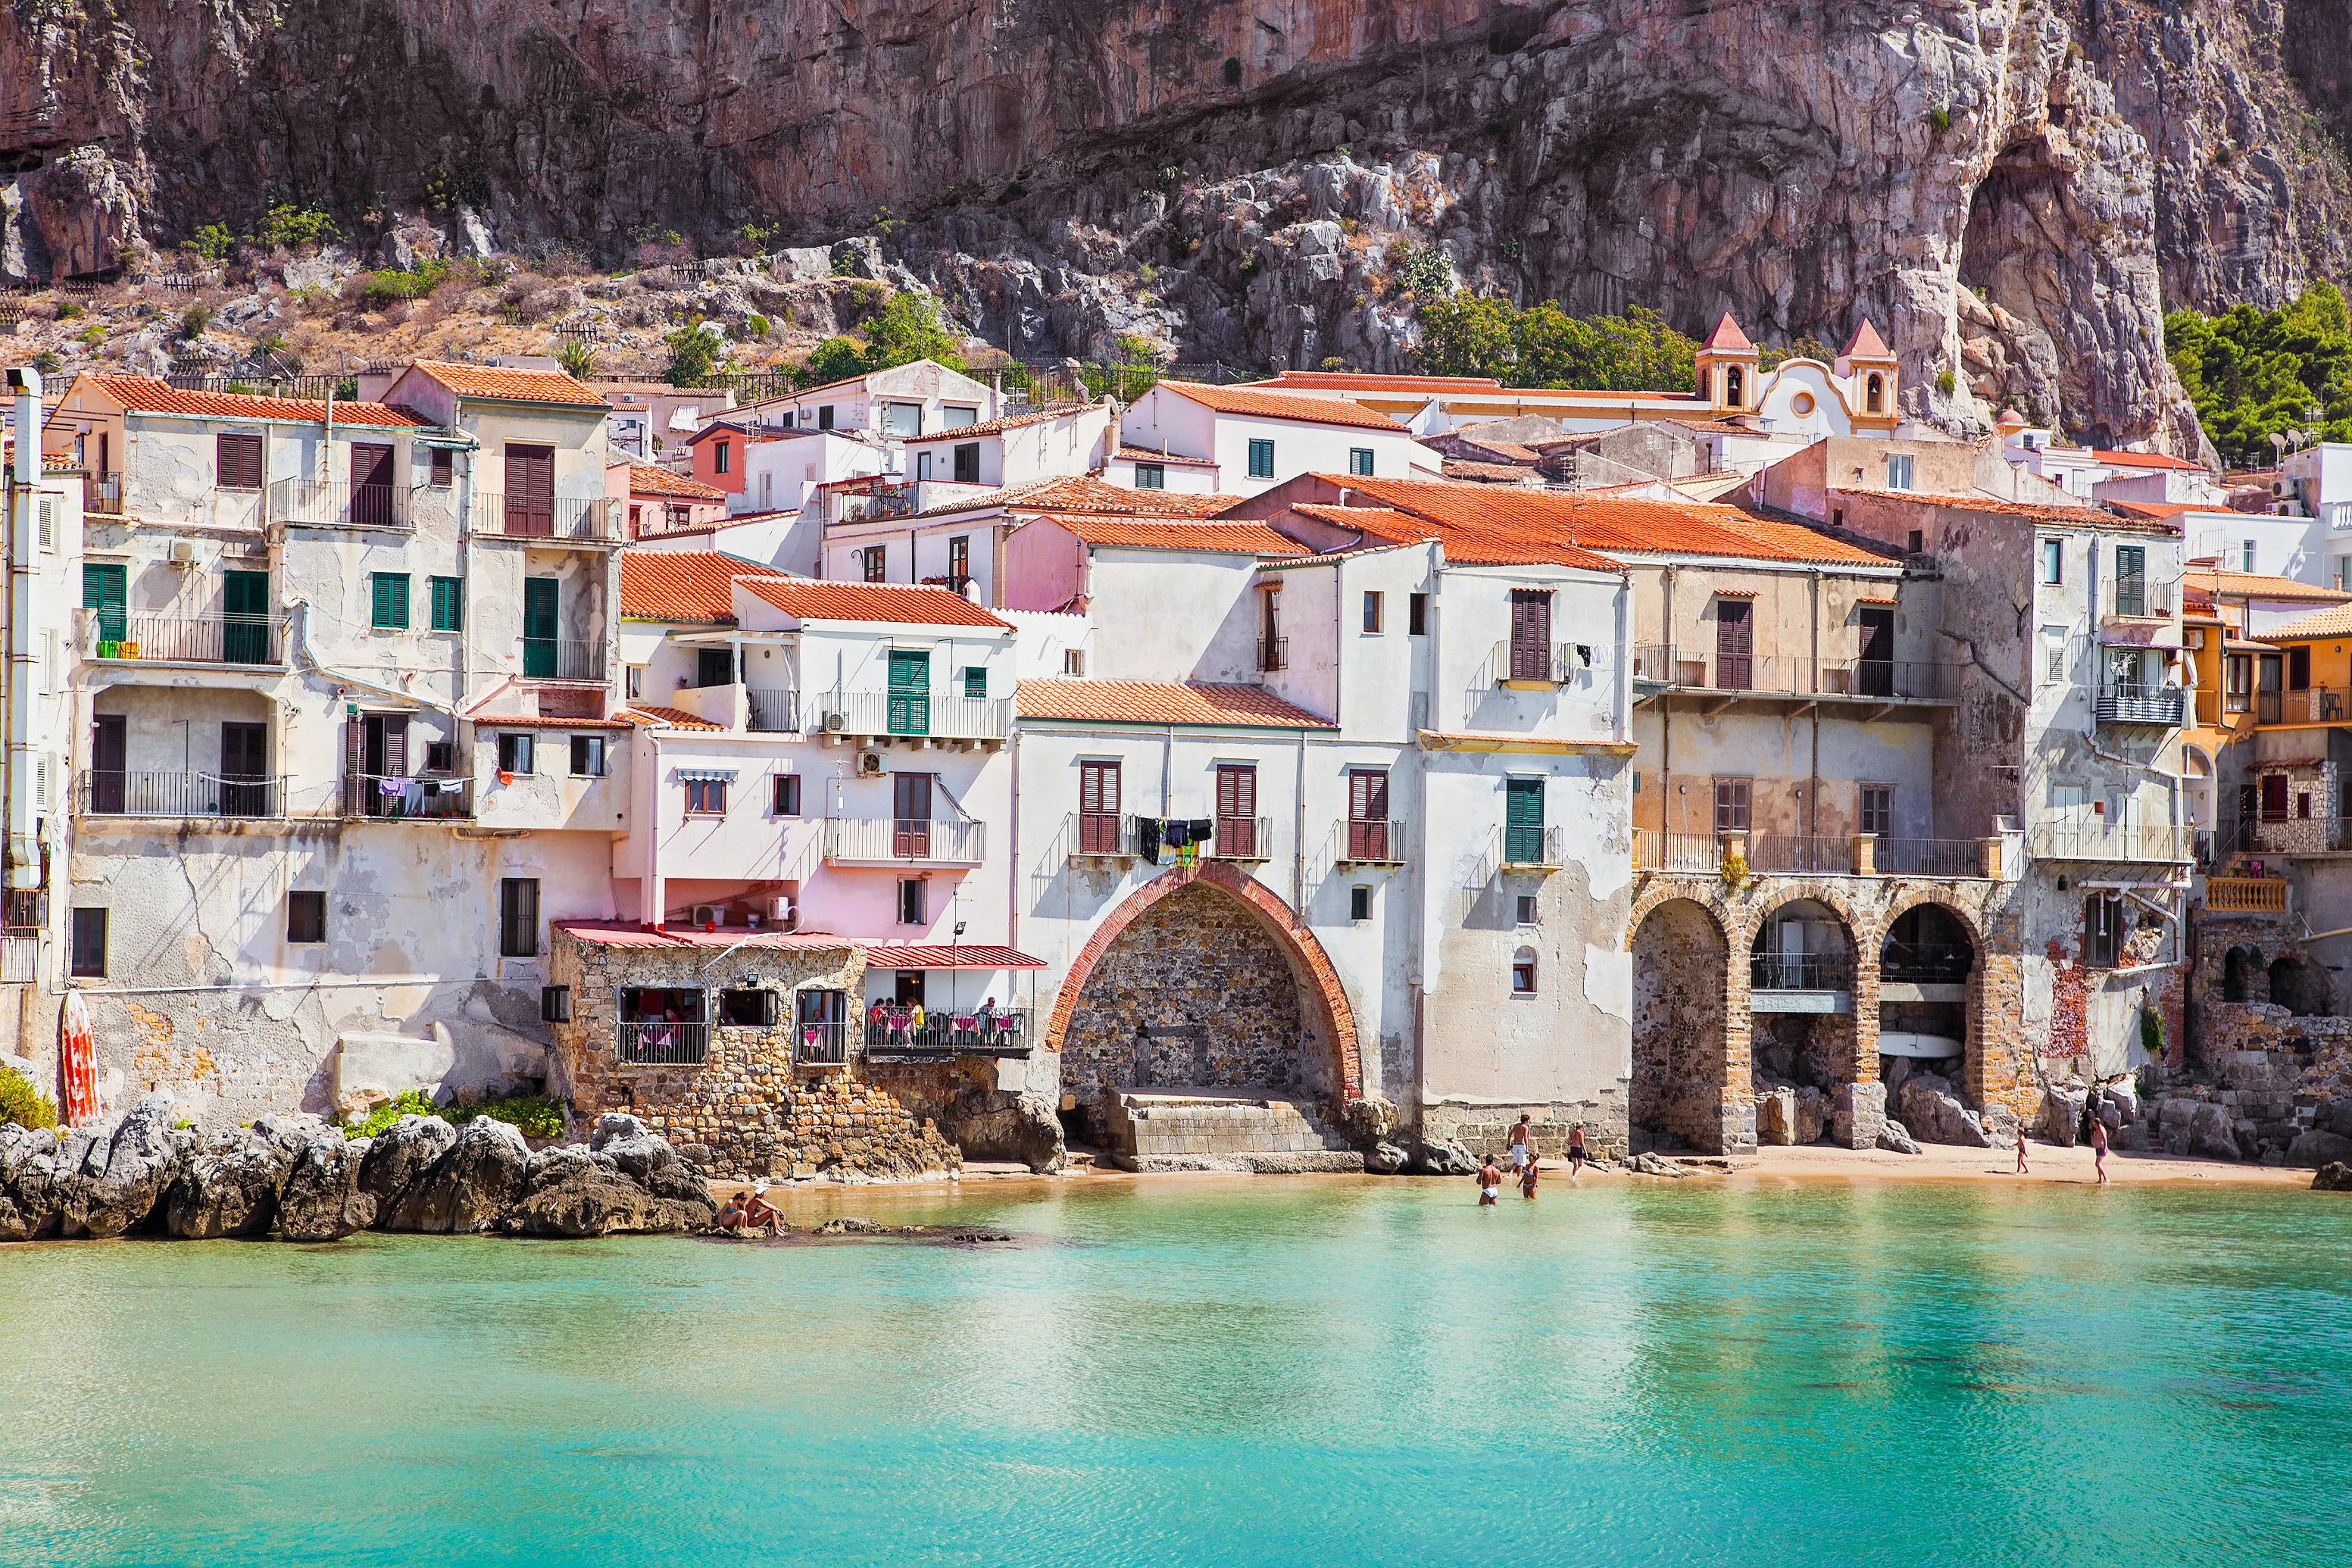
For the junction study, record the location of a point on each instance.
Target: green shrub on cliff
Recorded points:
(2253, 374)
(23, 1104)
(535, 1116)
(908, 327)
(1545, 346)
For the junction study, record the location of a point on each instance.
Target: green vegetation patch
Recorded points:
(1545, 346)
(2256, 374)
(533, 1115)
(23, 1104)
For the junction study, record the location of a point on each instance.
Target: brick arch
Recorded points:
(1915, 897)
(1759, 907)
(1318, 982)
(1661, 893)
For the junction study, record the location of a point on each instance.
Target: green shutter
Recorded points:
(1523, 821)
(390, 607)
(975, 681)
(910, 692)
(448, 603)
(244, 631)
(105, 587)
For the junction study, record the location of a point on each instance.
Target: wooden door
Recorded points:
(1367, 815)
(1530, 635)
(910, 825)
(910, 693)
(1876, 675)
(530, 490)
(543, 603)
(1238, 812)
(245, 628)
(245, 770)
(1098, 808)
(1735, 645)
(372, 505)
(109, 743)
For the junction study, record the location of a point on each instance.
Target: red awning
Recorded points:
(949, 958)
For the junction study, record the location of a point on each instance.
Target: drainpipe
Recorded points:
(1813, 780)
(1298, 831)
(1013, 851)
(650, 898)
(1666, 716)
(22, 484)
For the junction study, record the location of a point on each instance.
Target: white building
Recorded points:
(1258, 438)
(906, 401)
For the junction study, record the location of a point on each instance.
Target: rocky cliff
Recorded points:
(2013, 189)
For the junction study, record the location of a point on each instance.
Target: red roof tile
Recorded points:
(1164, 702)
(1146, 454)
(890, 602)
(1356, 381)
(1865, 344)
(1087, 493)
(1265, 404)
(1153, 533)
(943, 956)
(509, 384)
(152, 394)
(646, 480)
(1726, 337)
(673, 718)
(683, 585)
(994, 426)
(1491, 473)
(2329, 622)
(2143, 460)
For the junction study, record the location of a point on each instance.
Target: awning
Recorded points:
(937, 957)
(709, 775)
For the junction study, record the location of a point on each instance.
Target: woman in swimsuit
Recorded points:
(2099, 1147)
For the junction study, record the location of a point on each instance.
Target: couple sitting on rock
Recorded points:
(747, 1212)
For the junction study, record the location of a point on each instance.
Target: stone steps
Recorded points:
(1270, 1134)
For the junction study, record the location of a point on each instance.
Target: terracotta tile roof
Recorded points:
(2256, 585)
(1087, 493)
(646, 480)
(1865, 344)
(617, 933)
(2067, 516)
(1490, 473)
(942, 955)
(1727, 336)
(534, 721)
(1164, 702)
(651, 389)
(2144, 460)
(1510, 525)
(1152, 533)
(1354, 381)
(671, 718)
(995, 427)
(2156, 511)
(1265, 404)
(509, 384)
(683, 585)
(153, 394)
(2334, 622)
(1146, 454)
(890, 602)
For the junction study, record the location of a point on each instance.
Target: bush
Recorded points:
(695, 351)
(213, 241)
(756, 325)
(23, 1104)
(531, 1114)
(377, 289)
(48, 362)
(1947, 383)
(194, 320)
(93, 335)
(1545, 346)
(67, 310)
(295, 228)
(577, 359)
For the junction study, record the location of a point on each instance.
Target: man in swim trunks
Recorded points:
(1520, 1139)
(1490, 1183)
(1576, 1155)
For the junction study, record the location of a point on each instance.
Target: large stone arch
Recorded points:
(1688, 1031)
(1326, 1023)
(1800, 1049)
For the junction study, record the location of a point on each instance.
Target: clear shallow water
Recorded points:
(1253, 1372)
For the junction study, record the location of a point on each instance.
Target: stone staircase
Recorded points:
(1223, 1129)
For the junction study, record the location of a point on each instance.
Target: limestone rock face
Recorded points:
(2061, 1113)
(30, 1199)
(230, 1186)
(1776, 1115)
(574, 1191)
(322, 1199)
(474, 1182)
(398, 1162)
(1442, 1157)
(1934, 1113)
(117, 1181)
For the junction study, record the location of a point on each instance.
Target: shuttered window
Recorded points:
(518, 917)
(238, 460)
(1367, 815)
(530, 490)
(389, 610)
(1530, 633)
(1523, 821)
(1237, 811)
(448, 603)
(105, 587)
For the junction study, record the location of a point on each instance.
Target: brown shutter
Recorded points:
(238, 461)
(1097, 787)
(355, 787)
(531, 490)
(1368, 796)
(395, 747)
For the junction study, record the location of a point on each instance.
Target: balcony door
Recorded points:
(1238, 812)
(1735, 645)
(530, 490)
(245, 621)
(108, 737)
(1368, 814)
(106, 589)
(245, 770)
(1876, 675)
(543, 603)
(910, 825)
(910, 693)
(1530, 635)
(371, 485)
(1099, 806)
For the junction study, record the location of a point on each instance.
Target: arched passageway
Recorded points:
(1801, 983)
(1924, 967)
(1676, 1097)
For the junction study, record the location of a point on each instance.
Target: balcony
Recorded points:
(903, 841)
(565, 519)
(1100, 835)
(1534, 848)
(1534, 663)
(1861, 855)
(2313, 705)
(1696, 854)
(1241, 838)
(770, 710)
(1937, 858)
(1662, 667)
(2141, 705)
(2337, 515)
(890, 1033)
(177, 795)
(1830, 972)
(2139, 599)
(1924, 964)
(661, 1043)
(252, 640)
(914, 716)
(323, 503)
(397, 798)
(102, 497)
(561, 658)
(1273, 654)
(2246, 896)
(821, 1045)
(20, 957)
(2283, 834)
(2098, 840)
(1366, 841)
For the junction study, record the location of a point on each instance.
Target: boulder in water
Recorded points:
(1442, 1157)
(1386, 1160)
(30, 1199)
(322, 1199)
(577, 1190)
(473, 1183)
(115, 1185)
(400, 1159)
(2315, 1149)
(229, 1186)
(2333, 1178)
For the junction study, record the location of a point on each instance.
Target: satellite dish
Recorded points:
(2278, 440)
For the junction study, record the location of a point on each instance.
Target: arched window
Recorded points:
(1732, 387)
(1522, 972)
(1874, 392)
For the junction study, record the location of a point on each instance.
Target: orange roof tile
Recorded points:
(2333, 622)
(1355, 381)
(1490, 473)
(2068, 516)
(646, 480)
(1264, 405)
(153, 394)
(1865, 344)
(511, 384)
(1146, 454)
(994, 426)
(1164, 702)
(1727, 338)
(1153, 533)
(1087, 493)
(891, 603)
(673, 718)
(2257, 585)
(683, 585)
(2158, 511)
(2143, 460)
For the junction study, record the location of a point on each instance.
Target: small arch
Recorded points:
(2243, 973)
(1804, 1033)
(1523, 971)
(1874, 393)
(1734, 387)
(1676, 1095)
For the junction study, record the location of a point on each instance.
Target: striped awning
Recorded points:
(936, 956)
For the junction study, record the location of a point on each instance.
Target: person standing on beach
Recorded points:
(1576, 1155)
(2099, 1147)
(2020, 1149)
(1490, 1183)
(1520, 1139)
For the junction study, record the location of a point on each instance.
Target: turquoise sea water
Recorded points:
(1232, 1373)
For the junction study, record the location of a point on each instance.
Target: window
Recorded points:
(967, 462)
(825, 416)
(1526, 909)
(911, 901)
(587, 756)
(904, 420)
(2103, 931)
(88, 960)
(1372, 602)
(1898, 470)
(1360, 902)
(2298, 669)
(1874, 392)
(633, 680)
(714, 667)
(305, 917)
(705, 796)
(722, 458)
(440, 756)
(2053, 654)
(872, 561)
(238, 459)
(1731, 805)
(1261, 459)
(448, 603)
(748, 1009)
(105, 587)
(2131, 580)
(2054, 560)
(2237, 683)
(975, 681)
(443, 471)
(959, 561)
(1074, 661)
(788, 794)
(1416, 615)
(1734, 387)
(518, 917)
(1530, 633)
(389, 610)
(1877, 813)
(1918, 541)
(514, 753)
(1360, 461)
(1523, 962)
(48, 524)
(2248, 552)
(922, 465)
(1098, 803)
(1238, 812)
(1367, 815)
(1523, 822)
(1151, 476)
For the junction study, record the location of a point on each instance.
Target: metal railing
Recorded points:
(20, 957)
(2314, 705)
(821, 1045)
(1787, 853)
(394, 797)
(771, 711)
(1534, 847)
(1554, 664)
(564, 518)
(560, 659)
(1369, 841)
(938, 714)
(1801, 972)
(1657, 851)
(184, 640)
(1273, 654)
(2282, 835)
(2158, 706)
(661, 1043)
(2101, 841)
(1101, 833)
(1929, 857)
(889, 838)
(1774, 675)
(1002, 1032)
(334, 503)
(107, 792)
(1926, 963)
(103, 495)
(2143, 598)
(1241, 838)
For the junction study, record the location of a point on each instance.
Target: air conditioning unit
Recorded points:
(184, 553)
(784, 913)
(2278, 487)
(835, 724)
(707, 914)
(870, 765)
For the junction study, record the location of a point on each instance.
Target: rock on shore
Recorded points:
(299, 1179)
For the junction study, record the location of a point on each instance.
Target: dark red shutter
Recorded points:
(530, 490)
(238, 459)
